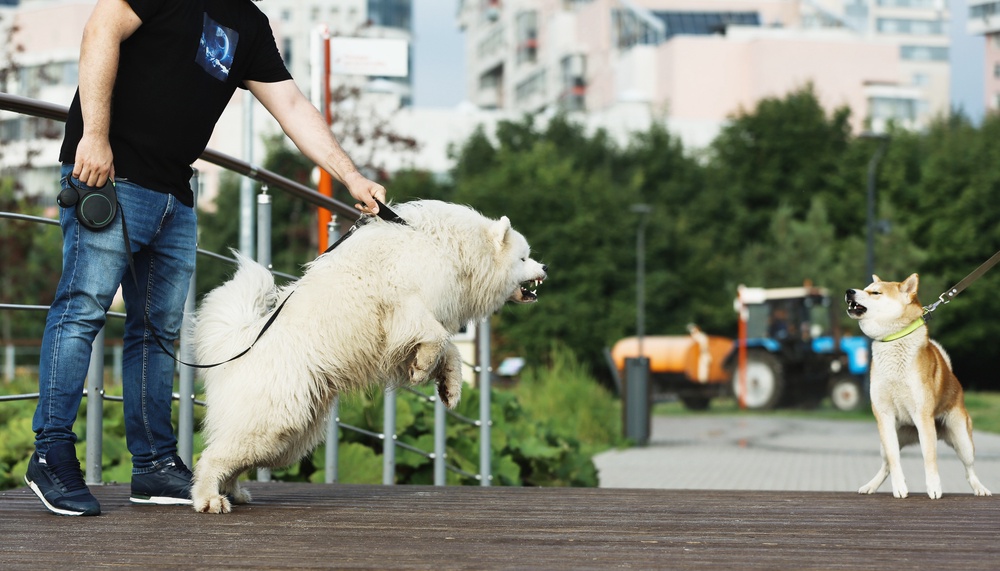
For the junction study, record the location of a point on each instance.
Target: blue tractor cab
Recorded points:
(791, 350)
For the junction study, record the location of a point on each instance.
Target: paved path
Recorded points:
(787, 454)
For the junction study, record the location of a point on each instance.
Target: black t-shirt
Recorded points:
(176, 74)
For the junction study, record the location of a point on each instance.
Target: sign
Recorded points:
(369, 56)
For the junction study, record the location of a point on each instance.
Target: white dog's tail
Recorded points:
(229, 318)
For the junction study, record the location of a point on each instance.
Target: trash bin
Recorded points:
(637, 400)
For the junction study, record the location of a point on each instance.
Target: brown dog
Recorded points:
(915, 395)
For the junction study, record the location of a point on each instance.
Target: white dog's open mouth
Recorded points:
(526, 292)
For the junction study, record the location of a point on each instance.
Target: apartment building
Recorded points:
(702, 60)
(984, 19)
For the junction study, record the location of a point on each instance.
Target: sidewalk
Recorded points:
(779, 454)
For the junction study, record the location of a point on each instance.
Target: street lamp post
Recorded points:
(883, 140)
(643, 211)
(636, 397)
(872, 172)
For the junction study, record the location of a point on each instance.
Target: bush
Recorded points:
(544, 433)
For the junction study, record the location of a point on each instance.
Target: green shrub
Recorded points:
(544, 432)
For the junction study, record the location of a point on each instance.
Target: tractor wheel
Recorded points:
(846, 394)
(765, 381)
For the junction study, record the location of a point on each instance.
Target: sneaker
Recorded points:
(168, 486)
(58, 481)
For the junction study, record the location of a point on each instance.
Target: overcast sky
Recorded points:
(439, 58)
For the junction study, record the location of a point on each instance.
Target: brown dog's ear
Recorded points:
(875, 279)
(910, 284)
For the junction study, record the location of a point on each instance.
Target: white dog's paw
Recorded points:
(980, 490)
(900, 491)
(449, 388)
(239, 496)
(867, 489)
(213, 505)
(426, 359)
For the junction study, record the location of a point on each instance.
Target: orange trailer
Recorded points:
(688, 366)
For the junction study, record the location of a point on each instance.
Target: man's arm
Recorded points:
(304, 124)
(111, 22)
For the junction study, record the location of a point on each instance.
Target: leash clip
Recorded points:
(941, 299)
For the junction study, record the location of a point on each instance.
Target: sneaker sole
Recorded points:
(52, 508)
(160, 501)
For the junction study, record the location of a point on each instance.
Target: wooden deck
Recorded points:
(299, 526)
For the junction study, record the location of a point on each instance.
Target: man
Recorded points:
(155, 75)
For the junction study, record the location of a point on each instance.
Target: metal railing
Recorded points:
(94, 389)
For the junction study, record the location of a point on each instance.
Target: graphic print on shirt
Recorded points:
(217, 48)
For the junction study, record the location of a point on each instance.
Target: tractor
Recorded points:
(790, 347)
(791, 351)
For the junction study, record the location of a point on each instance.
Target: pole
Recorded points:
(485, 424)
(325, 180)
(742, 348)
(332, 461)
(95, 411)
(264, 258)
(185, 385)
(389, 438)
(870, 234)
(246, 184)
(643, 211)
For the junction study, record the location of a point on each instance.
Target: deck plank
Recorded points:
(303, 526)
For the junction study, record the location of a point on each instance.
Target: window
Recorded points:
(390, 13)
(530, 87)
(893, 108)
(527, 37)
(574, 83)
(629, 29)
(910, 27)
(286, 51)
(923, 53)
(924, 4)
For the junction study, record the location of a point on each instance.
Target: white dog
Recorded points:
(915, 395)
(379, 309)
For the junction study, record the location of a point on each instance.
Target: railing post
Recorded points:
(185, 386)
(485, 370)
(332, 465)
(389, 438)
(440, 442)
(246, 183)
(264, 258)
(9, 355)
(95, 411)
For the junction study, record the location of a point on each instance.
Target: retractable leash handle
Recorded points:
(956, 289)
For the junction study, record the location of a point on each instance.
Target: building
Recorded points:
(696, 62)
(984, 19)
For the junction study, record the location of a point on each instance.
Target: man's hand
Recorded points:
(94, 161)
(364, 191)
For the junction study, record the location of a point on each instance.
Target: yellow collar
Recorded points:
(906, 331)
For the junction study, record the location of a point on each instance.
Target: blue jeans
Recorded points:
(163, 236)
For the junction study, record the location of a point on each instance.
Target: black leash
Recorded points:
(956, 289)
(384, 212)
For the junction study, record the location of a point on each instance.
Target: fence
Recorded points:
(94, 390)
